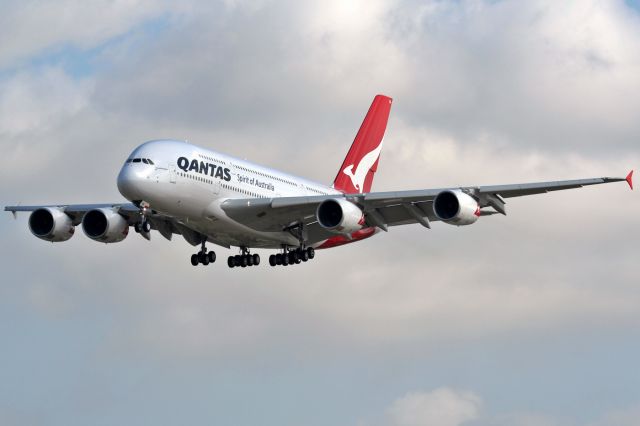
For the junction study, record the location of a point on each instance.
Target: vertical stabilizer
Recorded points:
(357, 170)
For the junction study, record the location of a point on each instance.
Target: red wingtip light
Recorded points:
(629, 179)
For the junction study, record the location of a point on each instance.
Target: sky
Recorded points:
(532, 319)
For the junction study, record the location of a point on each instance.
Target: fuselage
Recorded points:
(189, 182)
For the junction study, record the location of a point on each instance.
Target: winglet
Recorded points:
(629, 179)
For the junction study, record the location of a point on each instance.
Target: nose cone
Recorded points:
(132, 182)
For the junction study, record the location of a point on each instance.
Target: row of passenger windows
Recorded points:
(265, 175)
(215, 160)
(224, 185)
(138, 160)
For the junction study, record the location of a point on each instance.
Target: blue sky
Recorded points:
(525, 320)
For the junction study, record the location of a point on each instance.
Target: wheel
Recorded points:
(272, 260)
(146, 226)
(298, 261)
(201, 257)
(285, 260)
(237, 260)
(194, 259)
(231, 262)
(205, 260)
(304, 255)
(293, 256)
(244, 262)
(256, 259)
(249, 259)
(136, 227)
(212, 256)
(279, 259)
(311, 252)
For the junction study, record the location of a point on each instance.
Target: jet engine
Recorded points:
(105, 225)
(340, 216)
(456, 208)
(51, 224)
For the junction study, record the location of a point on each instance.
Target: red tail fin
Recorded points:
(356, 173)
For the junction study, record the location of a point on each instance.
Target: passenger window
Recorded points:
(136, 160)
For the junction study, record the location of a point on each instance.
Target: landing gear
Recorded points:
(291, 257)
(203, 257)
(143, 225)
(243, 260)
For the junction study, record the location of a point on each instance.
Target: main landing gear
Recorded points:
(243, 260)
(203, 257)
(291, 257)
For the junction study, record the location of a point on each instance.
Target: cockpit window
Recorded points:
(150, 162)
(145, 161)
(129, 160)
(136, 160)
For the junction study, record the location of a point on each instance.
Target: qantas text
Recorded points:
(204, 168)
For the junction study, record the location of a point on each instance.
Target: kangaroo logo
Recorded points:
(357, 178)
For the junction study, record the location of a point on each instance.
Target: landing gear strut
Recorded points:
(203, 257)
(243, 260)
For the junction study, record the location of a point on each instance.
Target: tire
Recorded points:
(285, 260)
(237, 260)
(304, 255)
(256, 259)
(201, 257)
(146, 227)
(194, 260)
(136, 227)
(278, 259)
(212, 256)
(293, 256)
(205, 260)
(249, 259)
(311, 252)
(272, 260)
(231, 262)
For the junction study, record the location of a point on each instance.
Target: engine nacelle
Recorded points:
(456, 208)
(51, 224)
(105, 225)
(340, 216)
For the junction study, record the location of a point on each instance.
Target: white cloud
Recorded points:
(441, 407)
(33, 26)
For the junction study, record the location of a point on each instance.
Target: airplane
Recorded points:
(175, 187)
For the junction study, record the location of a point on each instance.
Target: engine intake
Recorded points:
(456, 208)
(105, 225)
(51, 224)
(340, 216)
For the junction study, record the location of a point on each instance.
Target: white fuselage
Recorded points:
(190, 183)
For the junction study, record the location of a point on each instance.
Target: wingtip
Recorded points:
(629, 179)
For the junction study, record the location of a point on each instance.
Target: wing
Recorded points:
(165, 225)
(384, 209)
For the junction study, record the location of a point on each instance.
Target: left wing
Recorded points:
(165, 225)
(384, 209)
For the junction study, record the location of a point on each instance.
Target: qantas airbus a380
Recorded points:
(206, 196)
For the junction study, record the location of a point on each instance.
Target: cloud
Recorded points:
(485, 93)
(441, 407)
(37, 26)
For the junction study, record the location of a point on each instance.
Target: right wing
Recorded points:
(384, 209)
